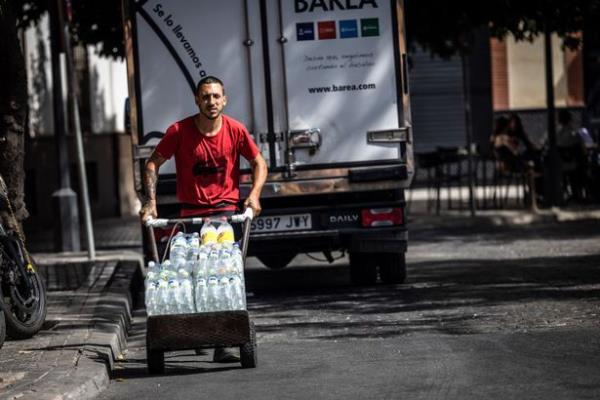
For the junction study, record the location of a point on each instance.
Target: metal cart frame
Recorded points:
(200, 330)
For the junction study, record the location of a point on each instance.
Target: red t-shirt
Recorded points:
(208, 168)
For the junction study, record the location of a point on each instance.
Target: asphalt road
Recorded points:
(504, 313)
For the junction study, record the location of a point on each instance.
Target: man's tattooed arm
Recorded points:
(150, 179)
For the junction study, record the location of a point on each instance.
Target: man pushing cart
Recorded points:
(207, 148)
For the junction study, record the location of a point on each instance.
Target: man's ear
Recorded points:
(224, 100)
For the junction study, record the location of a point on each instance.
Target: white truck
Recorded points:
(322, 86)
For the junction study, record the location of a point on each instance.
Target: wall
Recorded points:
(109, 169)
(107, 83)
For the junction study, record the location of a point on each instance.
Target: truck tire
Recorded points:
(276, 260)
(392, 267)
(363, 269)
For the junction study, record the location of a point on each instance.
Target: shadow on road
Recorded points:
(449, 296)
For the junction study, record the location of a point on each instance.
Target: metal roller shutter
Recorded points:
(437, 101)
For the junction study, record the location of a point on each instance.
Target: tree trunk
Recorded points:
(13, 109)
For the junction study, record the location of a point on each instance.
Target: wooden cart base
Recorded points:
(195, 331)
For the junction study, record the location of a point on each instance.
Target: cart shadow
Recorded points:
(175, 365)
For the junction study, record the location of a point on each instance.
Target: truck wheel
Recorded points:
(392, 267)
(363, 269)
(276, 260)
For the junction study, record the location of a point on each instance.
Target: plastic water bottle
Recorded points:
(237, 261)
(212, 264)
(178, 245)
(201, 271)
(151, 297)
(166, 270)
(224, 299)
(201, 295)
(179, 249)
(238, 293)
(173, 297)
(152, 266)
(225, 233)
(185, 298)
(193, 245)
(212, 294)
(208, 233)
(223, 263)
(161, 297)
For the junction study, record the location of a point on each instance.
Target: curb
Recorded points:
(108, 338)
(503, 218)
(91, 358)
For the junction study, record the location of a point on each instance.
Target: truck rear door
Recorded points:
(336, 82)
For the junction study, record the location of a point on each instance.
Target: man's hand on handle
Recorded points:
(253, 202)
(148, 210)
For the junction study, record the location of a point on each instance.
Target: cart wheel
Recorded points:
(156, 361)
(248, 355)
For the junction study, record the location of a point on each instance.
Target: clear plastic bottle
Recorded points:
(165, 270)
(212, 264)
(212, 294)
(201, 295)
(193, 245)
(208, 233)
(225, 233)
(237, 262)
(179, 250)
(178, 245)
(162, 292)
(187, 296)
(173, 297)
(200, 269)
(224, 263)
(152, 266)
(151, 297)
(224, 299)
(238, 293)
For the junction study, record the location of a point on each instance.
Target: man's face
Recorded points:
(211, 100)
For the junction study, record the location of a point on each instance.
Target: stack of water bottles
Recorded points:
(204, 273)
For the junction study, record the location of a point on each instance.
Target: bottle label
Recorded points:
(209, 236)
(226, 237)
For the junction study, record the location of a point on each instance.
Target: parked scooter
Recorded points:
(22, 291)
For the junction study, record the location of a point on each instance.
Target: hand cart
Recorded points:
(200, 330)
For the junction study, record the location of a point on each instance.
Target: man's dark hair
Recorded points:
(208, 80)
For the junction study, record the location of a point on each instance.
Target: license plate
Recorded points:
(280, 223)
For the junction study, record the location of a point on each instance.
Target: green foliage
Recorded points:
(443, 27)
(93, 22)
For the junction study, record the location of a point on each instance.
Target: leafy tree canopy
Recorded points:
(93, 22)
(442, 27)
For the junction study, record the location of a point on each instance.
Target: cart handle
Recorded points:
(163, 222)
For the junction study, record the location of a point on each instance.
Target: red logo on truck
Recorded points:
(327, 30)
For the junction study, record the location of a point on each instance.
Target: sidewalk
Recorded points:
(89, 312)
(90, 303)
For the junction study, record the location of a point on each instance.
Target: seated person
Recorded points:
(573, 153)
(511, 146)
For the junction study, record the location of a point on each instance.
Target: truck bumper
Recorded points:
(376, 240)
